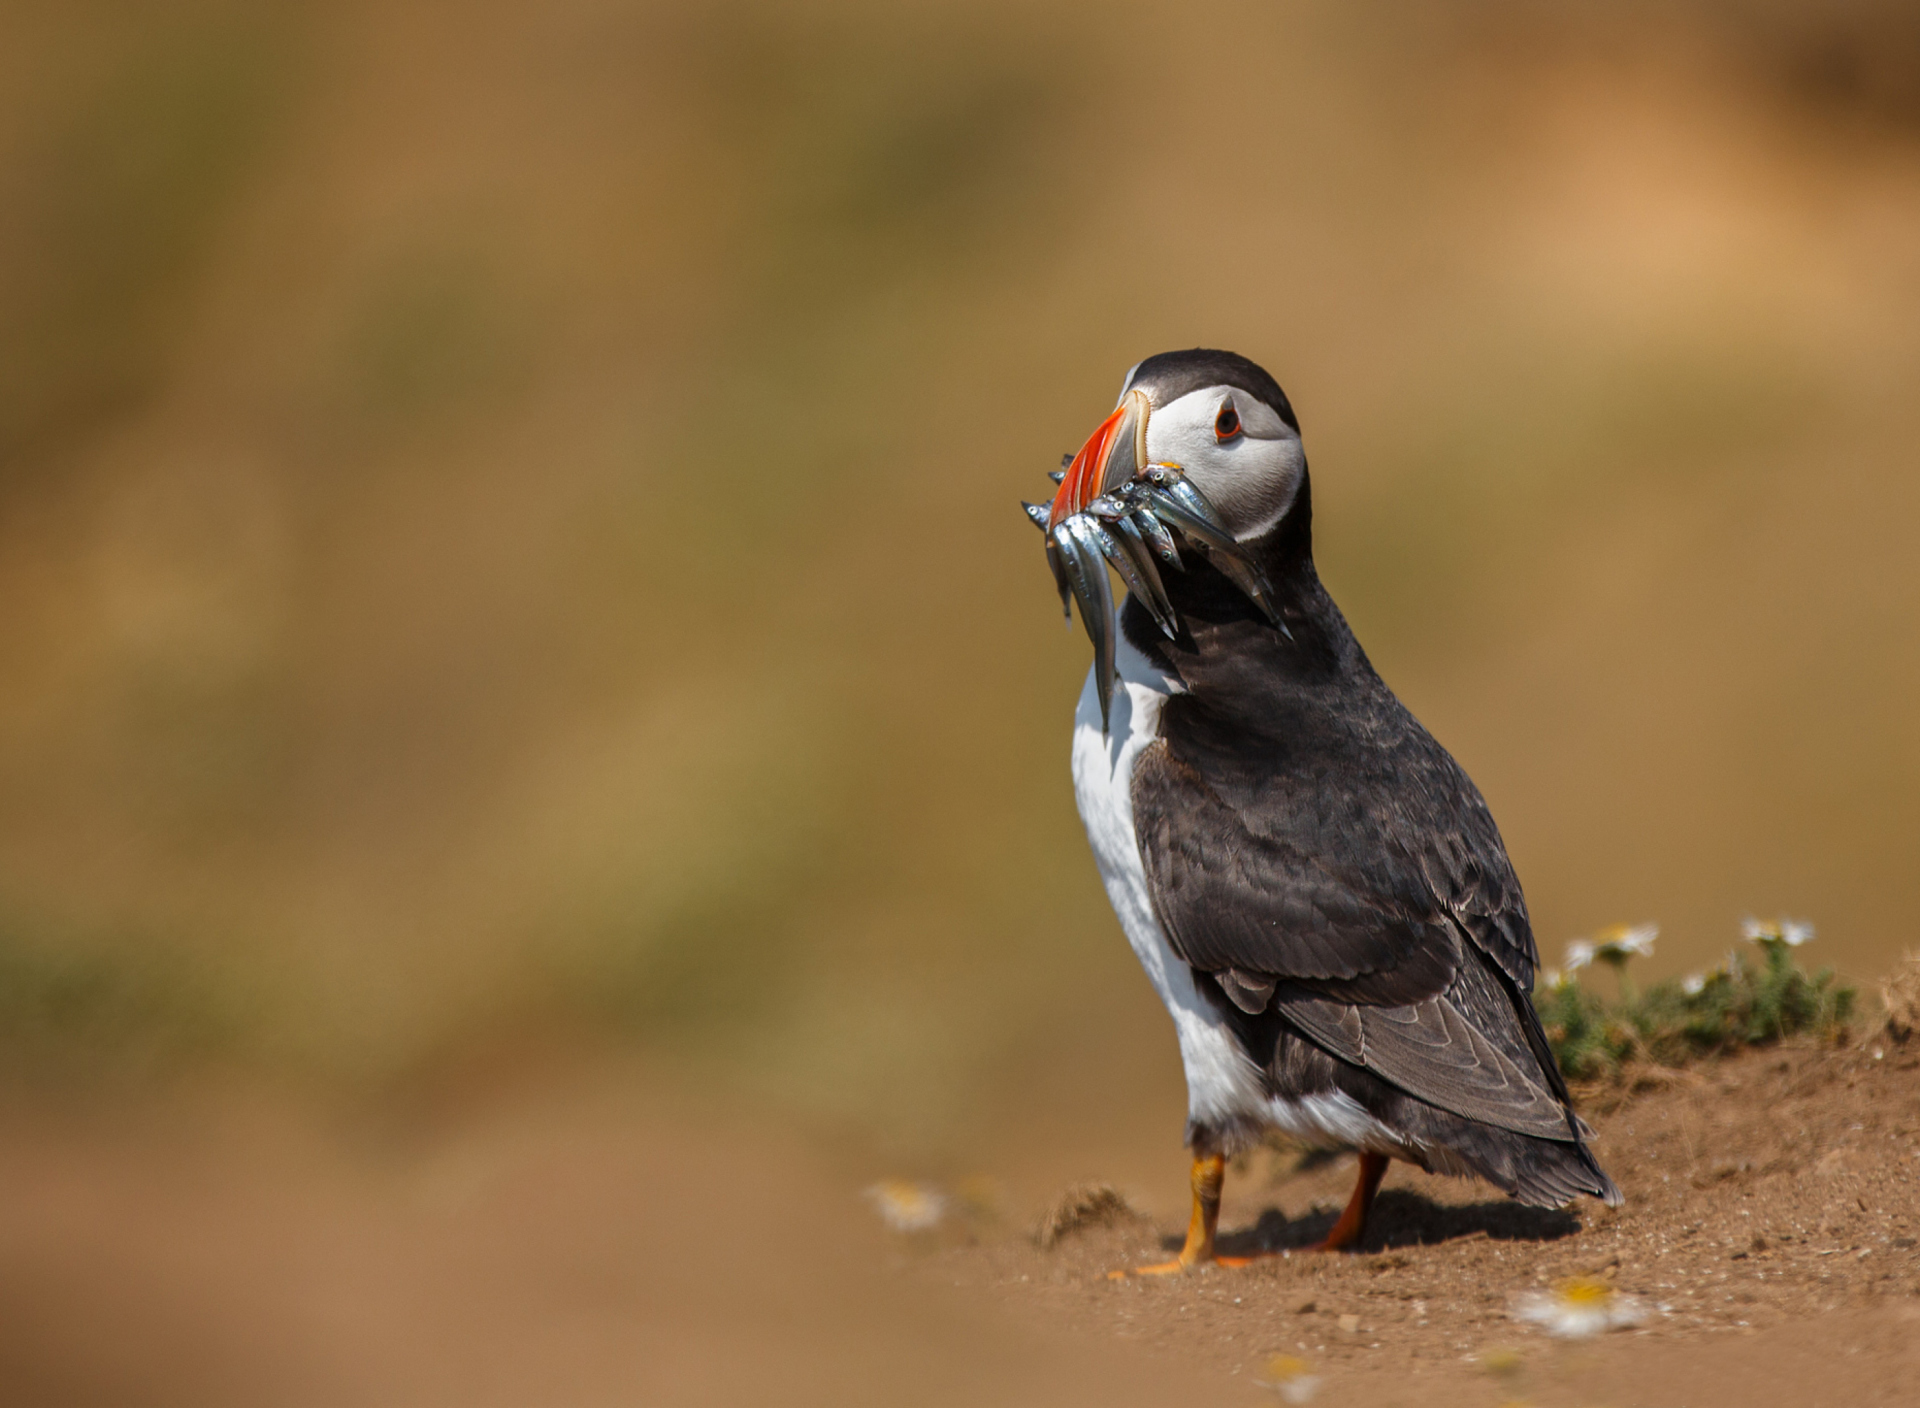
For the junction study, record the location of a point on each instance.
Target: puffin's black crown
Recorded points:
(1170, 375)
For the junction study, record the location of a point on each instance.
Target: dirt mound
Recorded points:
(1773, 1204)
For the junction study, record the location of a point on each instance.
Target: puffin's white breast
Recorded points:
(1222, 1083)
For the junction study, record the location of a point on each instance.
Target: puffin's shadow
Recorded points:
(1404, 1219)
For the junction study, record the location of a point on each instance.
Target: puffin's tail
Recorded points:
(1544, 1173)
(1552, 1174)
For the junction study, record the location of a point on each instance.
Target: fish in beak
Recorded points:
(1114, 507)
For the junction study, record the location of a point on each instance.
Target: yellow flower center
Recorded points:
(1282, 1367)
(1582, 1292)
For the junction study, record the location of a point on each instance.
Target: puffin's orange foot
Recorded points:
(1209, 1171)
(1353, 1222)
(1198, 1252)
(1174, 1268)
(1333, 1244)
(1234, 1263)
(1159, 1268)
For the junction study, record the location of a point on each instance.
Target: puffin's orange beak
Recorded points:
(1112, 455)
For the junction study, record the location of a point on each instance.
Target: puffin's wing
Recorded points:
(1452, 1051)
(1356, 870)
(1374, 906)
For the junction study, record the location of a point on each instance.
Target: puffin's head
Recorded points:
(1228, 426)
(1203, 443)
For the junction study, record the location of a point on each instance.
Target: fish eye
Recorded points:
(1227, 424)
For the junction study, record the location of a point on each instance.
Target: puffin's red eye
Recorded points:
(1227, 424)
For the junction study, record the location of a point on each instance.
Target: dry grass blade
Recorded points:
(1082, 1206)
(1900, 994)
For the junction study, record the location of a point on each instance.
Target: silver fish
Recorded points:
(1226, 554)
(1117, 544)
(1087, 571)
(1170, 480)
(1039, 515)
(1157, 537)
(1151, 590)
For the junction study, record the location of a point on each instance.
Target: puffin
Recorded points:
(1316, 890)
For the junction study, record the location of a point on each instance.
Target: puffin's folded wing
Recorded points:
(1436, 1052)
(1329, 864)
(1255, 896)
(1409, 962)
(1470, 874)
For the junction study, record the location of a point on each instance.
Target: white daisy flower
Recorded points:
(1290, 1378)
(1553, 979)
(1694, 984)
(1579, 1308)
(1579, 955)
(1791, 932)
(1623, 941)
(908, 1207)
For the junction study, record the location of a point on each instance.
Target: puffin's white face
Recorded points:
(1236, 450)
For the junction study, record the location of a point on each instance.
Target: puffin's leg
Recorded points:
(1353, 1222)
(1209, 1172)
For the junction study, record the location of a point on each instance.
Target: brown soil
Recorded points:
(583, 1238)
(1773, 1203)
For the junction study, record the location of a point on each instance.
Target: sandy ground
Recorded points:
(1769, 1233)
(584, 1238)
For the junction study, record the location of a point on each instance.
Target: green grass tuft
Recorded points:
(1742, 1004)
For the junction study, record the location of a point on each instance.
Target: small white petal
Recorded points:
(1579, 1309)
(908, 1207)
(1639, 939)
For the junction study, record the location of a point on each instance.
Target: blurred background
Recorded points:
(509, 531)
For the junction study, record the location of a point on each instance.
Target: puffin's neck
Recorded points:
(1223, 632)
